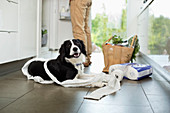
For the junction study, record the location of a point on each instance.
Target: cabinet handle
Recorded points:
(12, 1)
(9, 31)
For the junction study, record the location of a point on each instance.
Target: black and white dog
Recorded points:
(68, 64)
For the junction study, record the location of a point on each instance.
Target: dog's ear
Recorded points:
(83, 47)
(62, 51)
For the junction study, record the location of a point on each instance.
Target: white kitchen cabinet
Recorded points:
(8, 15)
(9, 41)
(8, 47)
(27, 28)
(18, 29)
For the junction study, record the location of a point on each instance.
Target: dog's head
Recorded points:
(72, 49)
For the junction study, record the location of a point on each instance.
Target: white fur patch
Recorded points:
(78, 64)
(72, 46)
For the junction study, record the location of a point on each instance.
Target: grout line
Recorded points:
(147, 98)
(83, 101)
(16, 99)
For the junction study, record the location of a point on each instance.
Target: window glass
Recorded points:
(159, 33)
(108, 18)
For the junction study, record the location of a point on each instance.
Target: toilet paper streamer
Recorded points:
(113, 85)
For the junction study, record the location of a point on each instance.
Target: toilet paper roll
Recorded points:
(118, 74)
(116, 67)
(138, 71)
(131, 73)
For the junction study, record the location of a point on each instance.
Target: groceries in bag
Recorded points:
(118, 51)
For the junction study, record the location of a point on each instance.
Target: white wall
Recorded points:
(133, 9)
(64, 27)
(143, 21)
(60, 30)
(137, 23)
(46, 13)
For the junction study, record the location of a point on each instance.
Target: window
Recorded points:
(108, 18)
(159, 33)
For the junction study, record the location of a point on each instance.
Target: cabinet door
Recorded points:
(8, 47)
(8, 16)
(27, 28)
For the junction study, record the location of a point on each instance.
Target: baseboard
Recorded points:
(12, 66)
(164, 73)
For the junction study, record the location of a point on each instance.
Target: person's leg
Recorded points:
(88, 34)
(78, 12)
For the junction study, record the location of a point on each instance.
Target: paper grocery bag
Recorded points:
(115, 54)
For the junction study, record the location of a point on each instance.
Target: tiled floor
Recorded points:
(19, 95)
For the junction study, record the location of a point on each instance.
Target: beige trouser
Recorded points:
(80, 11)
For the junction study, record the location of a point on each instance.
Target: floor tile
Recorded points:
(127, 96)
(18, 75)
(14, 88)
(57, 94)
(130, 82)
(155, 87)
(39, 107)
(100, 108)
(160, 104)
(48, 99)
(5, 101)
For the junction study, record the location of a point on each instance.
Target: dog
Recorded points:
(67, 66)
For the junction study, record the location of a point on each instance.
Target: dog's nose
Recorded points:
(75, 49)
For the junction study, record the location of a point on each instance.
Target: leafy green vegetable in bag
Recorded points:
(136, 47)
(117, 39)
